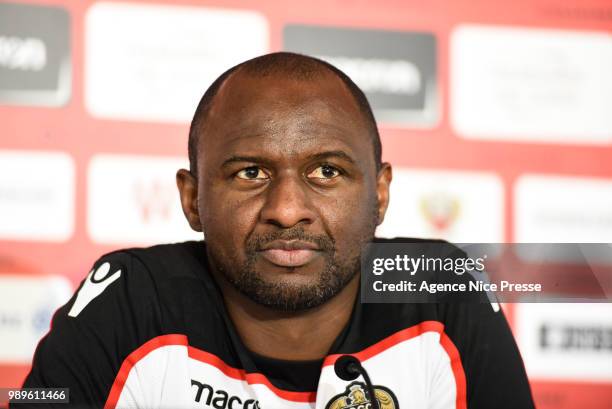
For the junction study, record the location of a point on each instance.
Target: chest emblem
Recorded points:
(356, 396)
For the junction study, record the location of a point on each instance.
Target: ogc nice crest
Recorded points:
(356, 397)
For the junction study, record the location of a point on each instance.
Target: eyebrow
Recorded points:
(337, 154)
(234, 159)
(318, 156)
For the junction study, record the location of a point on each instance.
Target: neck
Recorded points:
(302, 335)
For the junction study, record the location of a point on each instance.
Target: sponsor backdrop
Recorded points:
(497, 117)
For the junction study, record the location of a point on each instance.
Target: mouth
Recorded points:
(289, 253)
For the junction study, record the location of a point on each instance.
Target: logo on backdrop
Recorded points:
(27, 303)
(355, 396)
(35, 65)
(579, 338)
(396, 70)
(440, 210)
(565, 341)
(150, 211)
(154, 199)
(445, 203)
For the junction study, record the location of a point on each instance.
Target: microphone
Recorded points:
(348, 368)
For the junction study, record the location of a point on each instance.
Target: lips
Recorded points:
(292, 253)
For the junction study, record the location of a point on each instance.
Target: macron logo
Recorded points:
(94, 285)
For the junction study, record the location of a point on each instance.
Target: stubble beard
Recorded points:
(291, 297)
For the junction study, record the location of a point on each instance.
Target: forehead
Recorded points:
(283, 116)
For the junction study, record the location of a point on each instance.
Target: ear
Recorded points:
(188, 190)
(383, 183)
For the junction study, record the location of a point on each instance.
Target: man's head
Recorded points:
(296, 66)
(286, 179)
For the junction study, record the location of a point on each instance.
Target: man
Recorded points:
(287, 184)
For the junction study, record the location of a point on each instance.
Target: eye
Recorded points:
(324, 172)
(252, 173)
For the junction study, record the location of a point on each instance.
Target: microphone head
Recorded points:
(347, 367)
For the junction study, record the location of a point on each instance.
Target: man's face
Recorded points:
(287, 189)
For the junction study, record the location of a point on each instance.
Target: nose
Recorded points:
(287, 203)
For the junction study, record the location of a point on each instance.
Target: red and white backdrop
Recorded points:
(497, 117)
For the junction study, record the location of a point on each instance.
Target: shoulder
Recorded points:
(171, 260)
(121, 303)
(131, 279)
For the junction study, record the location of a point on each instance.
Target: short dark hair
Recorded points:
(298, 66)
